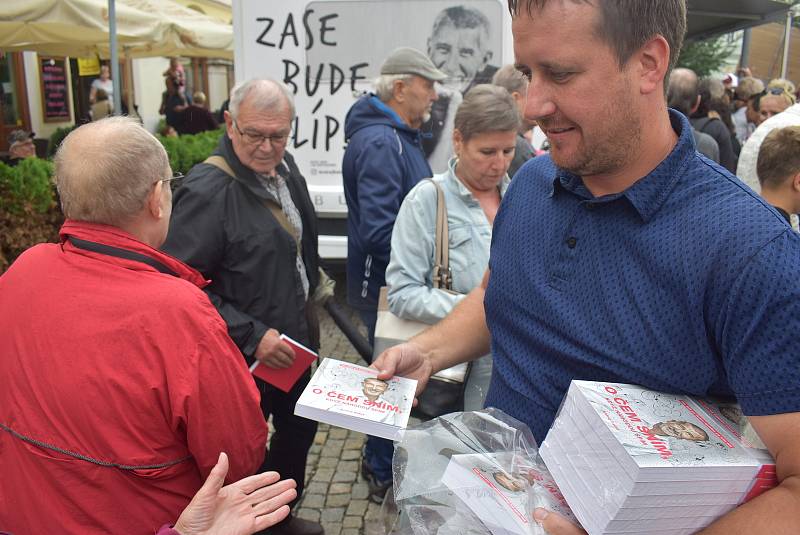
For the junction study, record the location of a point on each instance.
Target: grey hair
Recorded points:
(105, 170)
(384, 85)
(486, 108)
(266, 94)
(463, 17)
(682, 90)
(509, 77)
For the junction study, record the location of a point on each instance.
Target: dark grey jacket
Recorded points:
(222, 227)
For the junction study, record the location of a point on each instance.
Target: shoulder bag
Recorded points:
(445, 390)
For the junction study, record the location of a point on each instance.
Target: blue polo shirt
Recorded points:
(687, 282)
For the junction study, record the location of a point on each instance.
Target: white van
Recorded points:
(329, 51)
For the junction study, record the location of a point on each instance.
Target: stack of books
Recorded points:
(351, 396)
(631, 460)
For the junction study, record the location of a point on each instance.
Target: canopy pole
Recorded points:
(744, 58)
(787, 37)
(115, 74)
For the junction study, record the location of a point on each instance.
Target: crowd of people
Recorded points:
(622, 255)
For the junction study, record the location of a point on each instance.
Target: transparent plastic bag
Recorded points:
(469, 473)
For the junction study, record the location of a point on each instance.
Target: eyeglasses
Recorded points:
(276, 140)
(777, 91)
(176, 176)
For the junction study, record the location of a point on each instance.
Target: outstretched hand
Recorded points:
(247, 506)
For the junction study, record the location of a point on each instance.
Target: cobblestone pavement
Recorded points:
(335, 494)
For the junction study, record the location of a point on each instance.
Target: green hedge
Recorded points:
(28, 210)
(188, 150)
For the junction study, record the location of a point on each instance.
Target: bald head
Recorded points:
(263, 95)
(682, 90)
(106, 169)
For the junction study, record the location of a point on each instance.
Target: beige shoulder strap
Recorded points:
(220, 163)
(441, 276)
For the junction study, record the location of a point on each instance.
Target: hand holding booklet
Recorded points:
(351, 396)
(285, 378)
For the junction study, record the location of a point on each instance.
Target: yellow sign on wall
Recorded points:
(88, 66)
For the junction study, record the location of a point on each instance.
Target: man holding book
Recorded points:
(623, 256)
(244, 219)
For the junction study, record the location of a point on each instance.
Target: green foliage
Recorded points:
(28, 210)
(705, 57)
(188, 150)
(57, 137)
(26, 186)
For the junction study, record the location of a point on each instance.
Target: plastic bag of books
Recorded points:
(470, 473)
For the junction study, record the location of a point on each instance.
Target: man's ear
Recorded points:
(398, 90)
(796, 183)
(228, 123)
(154, 200)
(486, 59)
(696, 105)
(652, 62)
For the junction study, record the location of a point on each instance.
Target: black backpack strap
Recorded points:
(120, 253)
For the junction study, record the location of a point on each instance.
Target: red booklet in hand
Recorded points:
(285, 378)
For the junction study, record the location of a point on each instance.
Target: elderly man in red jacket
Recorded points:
(120, 384)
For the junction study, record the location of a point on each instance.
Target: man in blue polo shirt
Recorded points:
(625, 255)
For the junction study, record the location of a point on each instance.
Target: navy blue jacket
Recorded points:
(382, 162)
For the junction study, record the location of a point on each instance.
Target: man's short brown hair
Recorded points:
(626, 25)
(779, 156)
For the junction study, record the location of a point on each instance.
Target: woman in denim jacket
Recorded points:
(486, 126)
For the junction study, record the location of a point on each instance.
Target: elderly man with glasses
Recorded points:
(245, 220)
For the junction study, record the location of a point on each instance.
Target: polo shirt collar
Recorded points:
(649, 193)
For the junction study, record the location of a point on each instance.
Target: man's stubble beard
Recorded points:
(611, 147)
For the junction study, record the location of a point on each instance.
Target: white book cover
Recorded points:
(663, 432)
(502, 489)
(351, 396)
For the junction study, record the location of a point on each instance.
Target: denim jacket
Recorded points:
(411, 293)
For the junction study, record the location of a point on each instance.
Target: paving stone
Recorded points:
(323, 474)
(348, 466)
(316, 487)
(357, 507)
(332, 528)
(333, 514)
(360, 490)
(342, 476)
(328, 462)
(320, 437)
(308, 514)
(333, 447)
(353, 522)
(353, 443)
(313, 501)
(351, 455)
(350, 531)
(338, 432)
(338, 500)
(341, 488)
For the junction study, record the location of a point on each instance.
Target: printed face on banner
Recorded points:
(460, 53)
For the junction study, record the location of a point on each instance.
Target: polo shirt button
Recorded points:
(571, 242)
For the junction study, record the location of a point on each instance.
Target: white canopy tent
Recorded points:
(144, 28)
(141, 28)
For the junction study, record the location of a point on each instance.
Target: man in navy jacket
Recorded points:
(383, 161)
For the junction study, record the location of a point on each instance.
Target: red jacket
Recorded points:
(110, 359)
